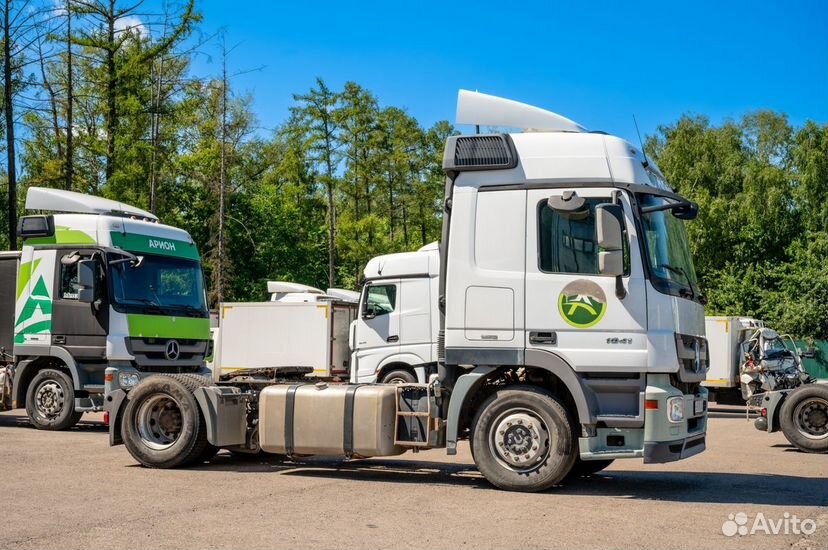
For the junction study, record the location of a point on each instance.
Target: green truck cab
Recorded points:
(97, 284)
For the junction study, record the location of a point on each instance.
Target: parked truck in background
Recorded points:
(754, 365)
(97, 284)
(571, 328)
(392, 340)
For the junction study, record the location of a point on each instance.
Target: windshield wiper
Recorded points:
(186, 307)
(147, 301)
(680, 271)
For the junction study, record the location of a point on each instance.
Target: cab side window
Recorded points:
(69, 280)
(568, 241)
(381, 300)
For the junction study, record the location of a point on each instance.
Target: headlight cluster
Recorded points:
(675, 408)
(128, 379)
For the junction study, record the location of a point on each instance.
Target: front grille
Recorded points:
(693, 357)
(150, 353)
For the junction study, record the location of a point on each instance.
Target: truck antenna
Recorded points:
(641, 142)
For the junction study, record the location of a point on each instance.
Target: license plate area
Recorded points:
(698, 406)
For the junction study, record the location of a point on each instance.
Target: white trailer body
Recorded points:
(260, 335)
(724, 338)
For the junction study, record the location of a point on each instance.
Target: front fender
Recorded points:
(114, 405)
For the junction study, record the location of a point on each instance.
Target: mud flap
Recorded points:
(224, 410)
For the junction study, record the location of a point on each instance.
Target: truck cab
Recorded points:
(98, 284)
(394, 338)
(566, 264)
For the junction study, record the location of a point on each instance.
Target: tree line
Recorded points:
(100, 96)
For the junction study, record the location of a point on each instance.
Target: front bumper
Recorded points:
(658, 452)
(660, 439)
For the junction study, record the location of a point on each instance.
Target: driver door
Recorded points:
(571, 309)
(378, 326)
(79, 327)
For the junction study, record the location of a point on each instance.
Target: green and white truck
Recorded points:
(97, 284)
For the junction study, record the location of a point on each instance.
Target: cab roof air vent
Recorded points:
(479, 152)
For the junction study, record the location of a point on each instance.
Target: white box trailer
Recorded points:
(274, 334)
(724, 338)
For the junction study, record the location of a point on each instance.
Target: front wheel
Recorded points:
(523, 439)
(398, 377)
(50, 401)
(804, 418)
(162, 425)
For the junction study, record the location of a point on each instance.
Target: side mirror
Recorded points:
(687, 212)
(610, 239)
(86, 281)
(368, 312)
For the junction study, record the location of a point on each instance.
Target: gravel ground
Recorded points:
(70, 490)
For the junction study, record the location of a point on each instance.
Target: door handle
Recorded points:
(543, 338)
(393, 339)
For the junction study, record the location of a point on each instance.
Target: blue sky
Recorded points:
(595, 62)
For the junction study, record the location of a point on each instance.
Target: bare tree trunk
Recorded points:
(111, 112)
(8, 111)
(222, 181)
(53, 100)
(70, 99)
(331, 206)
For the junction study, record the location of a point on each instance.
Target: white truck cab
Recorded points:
(394, 338)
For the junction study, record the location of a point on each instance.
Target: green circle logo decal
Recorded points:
(582, 303)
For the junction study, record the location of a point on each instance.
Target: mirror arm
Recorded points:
(620, 290)
(683, 203)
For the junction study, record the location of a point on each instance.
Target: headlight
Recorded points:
(675, 408)
(127, 379)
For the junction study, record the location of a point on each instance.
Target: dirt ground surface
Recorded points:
(70, 490)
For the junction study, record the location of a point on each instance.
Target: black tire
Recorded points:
(162, 425)
(523, 419)
(50, 401)
(398, 376)
(583, 468)
(804, 418)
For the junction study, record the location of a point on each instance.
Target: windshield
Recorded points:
(668, 250)
(161, 284)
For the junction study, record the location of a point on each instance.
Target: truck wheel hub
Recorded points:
(49, 399)
(520, 440)
(812, 417)
(159, 422)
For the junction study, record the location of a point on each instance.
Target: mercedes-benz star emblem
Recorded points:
(173, 351)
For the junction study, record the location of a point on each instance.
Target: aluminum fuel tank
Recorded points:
(322, 419)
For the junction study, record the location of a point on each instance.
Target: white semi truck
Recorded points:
(393, 340)
(571, 330)
(753, 364)
(97, 284)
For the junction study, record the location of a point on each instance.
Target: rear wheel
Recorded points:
(523, 439)
(50, 401)
(398, 376)
(804, 418)
(163, 426)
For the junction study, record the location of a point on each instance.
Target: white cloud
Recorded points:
(131, 23)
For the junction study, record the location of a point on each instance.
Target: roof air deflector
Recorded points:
(488, 110)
